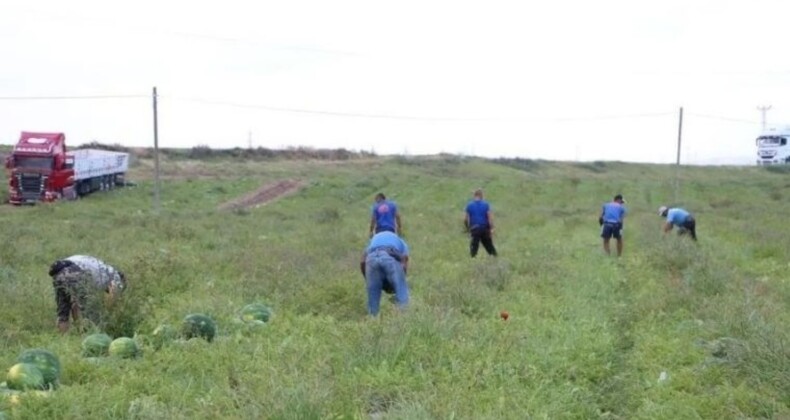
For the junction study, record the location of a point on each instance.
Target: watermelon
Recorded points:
(24, 376)
(6, 391)
(124, 347)
(256, 312)
(198, 325)
(46, 362)
(96, 345)
(162, 335)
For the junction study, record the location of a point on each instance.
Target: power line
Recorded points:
(231, 104)
(68, 97)
(322, 112)
(410, 117)
(610, 117)
(714, 117)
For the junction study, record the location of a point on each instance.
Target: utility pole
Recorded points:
(156, 154)
(249, 139)
(680, 135)
(677, 160)
(764, 110)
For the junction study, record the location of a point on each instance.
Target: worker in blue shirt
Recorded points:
(479, 222)
(384, 216)
(384, 265)
(611, 222)
(681, 218)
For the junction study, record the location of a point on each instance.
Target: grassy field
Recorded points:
(672, 330)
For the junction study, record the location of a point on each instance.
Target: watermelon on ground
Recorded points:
(256, 312)
(6, 391)
(162, 335)
(124, 347)
(46, 362)
(198, 325)
(96, 345)
(24, 376)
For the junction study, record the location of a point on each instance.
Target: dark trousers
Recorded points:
(70, 291)
(481, 234)
(74, 289)
(690, 227)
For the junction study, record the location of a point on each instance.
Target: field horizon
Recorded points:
(671, 330)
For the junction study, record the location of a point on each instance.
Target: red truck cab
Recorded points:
(38, 169)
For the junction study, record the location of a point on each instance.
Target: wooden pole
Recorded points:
(677, 160)
(156, 154)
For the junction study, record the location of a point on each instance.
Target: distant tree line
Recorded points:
(203, 152)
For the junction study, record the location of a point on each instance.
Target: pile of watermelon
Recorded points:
(36, 369)
(39, 369)
(99, 345)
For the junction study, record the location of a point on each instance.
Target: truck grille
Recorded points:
(30, 186)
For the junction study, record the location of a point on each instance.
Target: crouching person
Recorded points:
(81, 285)
(384, 264)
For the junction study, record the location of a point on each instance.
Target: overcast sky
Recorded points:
(565, 79)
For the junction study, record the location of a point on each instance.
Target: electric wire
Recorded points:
(69, 97)
(225, 103)
(728, 119)
(410, 117)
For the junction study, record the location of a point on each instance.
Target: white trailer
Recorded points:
(97, 170)
(772, 147)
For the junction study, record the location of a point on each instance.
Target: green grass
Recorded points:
(588, 336)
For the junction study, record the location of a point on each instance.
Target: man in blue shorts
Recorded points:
(611, 222)
(479, 222)
(681, 218)
(384, 216)
(384, 265)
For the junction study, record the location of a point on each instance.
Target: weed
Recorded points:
(587, 335)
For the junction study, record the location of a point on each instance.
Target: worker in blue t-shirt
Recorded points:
(384, 265)
(611, 222)
(681, 218)
(479, 222)
(384, 216)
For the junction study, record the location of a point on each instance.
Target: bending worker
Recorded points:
(384, 265)
(79, 282)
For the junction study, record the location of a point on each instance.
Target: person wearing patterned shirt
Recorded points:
(79, 281)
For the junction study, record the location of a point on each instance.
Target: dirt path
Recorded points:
(265, 194)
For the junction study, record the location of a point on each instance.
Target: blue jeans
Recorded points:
(381, 267)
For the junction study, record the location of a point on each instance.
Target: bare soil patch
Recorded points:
(264, 195)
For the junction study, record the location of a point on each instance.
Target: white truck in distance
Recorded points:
(772, 146)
